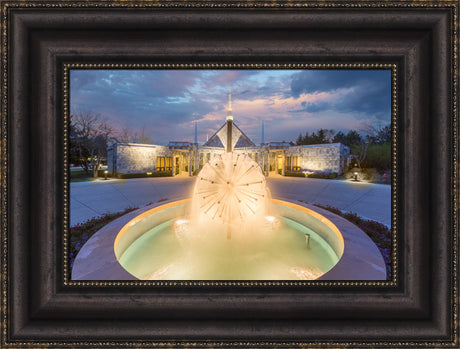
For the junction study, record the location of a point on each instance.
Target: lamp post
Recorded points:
(105, 174)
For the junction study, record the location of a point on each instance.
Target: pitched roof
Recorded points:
(218, 139)
(178, 144)
(214, 141)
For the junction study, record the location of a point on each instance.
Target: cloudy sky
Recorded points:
(166, 103)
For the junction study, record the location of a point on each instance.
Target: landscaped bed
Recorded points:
(378, 232)
(317, 174)
(81, 233)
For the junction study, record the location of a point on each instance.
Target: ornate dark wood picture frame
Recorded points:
(40, 306)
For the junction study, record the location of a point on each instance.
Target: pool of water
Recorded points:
(282, 254)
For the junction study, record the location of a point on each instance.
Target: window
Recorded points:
(288, 163)
(168, 164)
(160, 163)
(296, 163)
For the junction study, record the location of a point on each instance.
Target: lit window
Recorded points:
(296, 163)
(160, 163)
(168, 164)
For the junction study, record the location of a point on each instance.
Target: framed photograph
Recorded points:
(229, 174)
(240, 215)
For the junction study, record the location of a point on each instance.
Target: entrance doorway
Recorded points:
(280, 163)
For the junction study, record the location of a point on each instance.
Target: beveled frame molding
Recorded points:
(418, 308)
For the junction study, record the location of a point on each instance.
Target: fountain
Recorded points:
(230, 191)
(233, 237)
(231, 230)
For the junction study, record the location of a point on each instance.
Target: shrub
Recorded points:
(378, 232)
(149, 174)
(322, 175)
(294, 174)
(316, 175)
(378, 156)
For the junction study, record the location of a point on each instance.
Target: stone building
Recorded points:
(176, 157)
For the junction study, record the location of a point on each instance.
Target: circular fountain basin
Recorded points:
(148, 248)
(142, 245)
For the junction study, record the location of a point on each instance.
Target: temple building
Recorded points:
(273, 157)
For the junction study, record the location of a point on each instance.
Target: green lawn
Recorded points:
(80, 176)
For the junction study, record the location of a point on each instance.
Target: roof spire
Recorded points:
(262, 138)
(196, 133)
(229, 110)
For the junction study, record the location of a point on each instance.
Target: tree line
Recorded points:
(370, 147)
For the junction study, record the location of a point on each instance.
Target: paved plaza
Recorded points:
(94, 198)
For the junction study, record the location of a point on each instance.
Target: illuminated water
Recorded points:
(282, 255)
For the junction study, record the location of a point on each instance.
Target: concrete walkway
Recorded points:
(91, 199)
(94, 198)
(368, 200)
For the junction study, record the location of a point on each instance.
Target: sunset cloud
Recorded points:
(166, 103)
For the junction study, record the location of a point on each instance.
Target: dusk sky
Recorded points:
(166, 103)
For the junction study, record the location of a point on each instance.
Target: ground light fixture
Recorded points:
(105, 174)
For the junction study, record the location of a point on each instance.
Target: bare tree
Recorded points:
(361, 151)
(127, 135)
(90, 137)
(372, 135)
(143, 138)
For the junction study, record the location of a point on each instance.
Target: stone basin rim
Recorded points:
(303, 215)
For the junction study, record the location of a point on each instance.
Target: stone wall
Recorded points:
(131, 158)
(128, 158)
(163, 150)
(321, 157)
